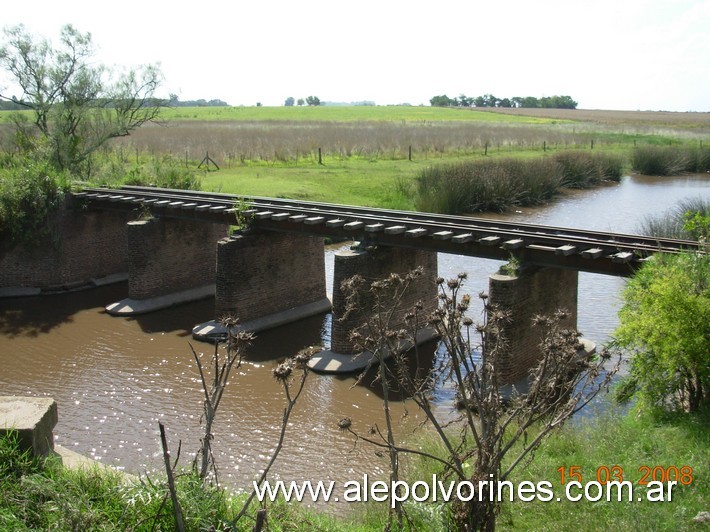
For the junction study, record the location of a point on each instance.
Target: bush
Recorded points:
(665, 325)
(30, 193)
(164, 172)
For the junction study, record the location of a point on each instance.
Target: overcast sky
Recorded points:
(605, 54)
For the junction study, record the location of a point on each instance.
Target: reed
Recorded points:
(673, 223)
(583, 169)
(670, 160)
(496, 185)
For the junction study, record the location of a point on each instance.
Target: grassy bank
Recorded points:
(632, 444)
(36, 495)
(42, 495)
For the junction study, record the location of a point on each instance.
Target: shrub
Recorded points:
(665, 325)
(498, 184)
(30, 193)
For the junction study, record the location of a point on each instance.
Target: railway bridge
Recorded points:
(274, 272)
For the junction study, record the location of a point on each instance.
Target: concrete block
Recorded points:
(33, 418)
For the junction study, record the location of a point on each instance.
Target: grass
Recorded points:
(38, 494)
(326, 113)
(629, 442)
(376, 183)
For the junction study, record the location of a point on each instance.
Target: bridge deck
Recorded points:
(593, 251)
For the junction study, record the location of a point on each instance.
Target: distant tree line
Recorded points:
(310, 100)
(488, 100)
(175, 102)
(7, 105)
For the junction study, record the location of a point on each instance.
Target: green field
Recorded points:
(366, 155)
(338, 113)
(371, 155)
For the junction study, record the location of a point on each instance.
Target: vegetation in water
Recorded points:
(667, 160)
(499, 184)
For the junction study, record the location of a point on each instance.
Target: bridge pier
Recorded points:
(343, 356)
(267, 279)
(170, 261)
(531, 292)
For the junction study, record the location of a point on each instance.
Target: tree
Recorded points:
(78, 105)
(289, 101)
(463, 101)
(442, 101)
(313, 100)
(490, 100)
(300, 102)
(530, 102)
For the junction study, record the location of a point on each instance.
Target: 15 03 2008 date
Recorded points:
(682, 475)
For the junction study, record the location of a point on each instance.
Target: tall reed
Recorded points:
(672, 223)
(499, 184)
(670, 160)
(583, 169)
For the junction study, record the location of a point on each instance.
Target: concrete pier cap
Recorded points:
(34, 419)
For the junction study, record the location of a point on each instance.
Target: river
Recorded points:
(115, 378)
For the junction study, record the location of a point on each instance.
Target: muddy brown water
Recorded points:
(115, 378)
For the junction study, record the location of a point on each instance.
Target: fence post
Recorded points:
(320, 158)
(410, 150)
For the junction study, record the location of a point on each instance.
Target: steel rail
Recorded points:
(413, 216)
(427, 224)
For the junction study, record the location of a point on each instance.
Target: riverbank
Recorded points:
(44, 495)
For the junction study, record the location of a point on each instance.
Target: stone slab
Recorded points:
(110, 279)
(34, 418)
(19, 291)
(73, 460)
(132, 307)
(212, 331)
(329, 362)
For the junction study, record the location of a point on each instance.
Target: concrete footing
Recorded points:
(34, 419)
(329, 362)
(132, 307)
(214, 331)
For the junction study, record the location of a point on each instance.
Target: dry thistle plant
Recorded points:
(488, 426)
(221, 366)
(291, 373)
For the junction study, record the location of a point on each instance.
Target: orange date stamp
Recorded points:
(604, 474)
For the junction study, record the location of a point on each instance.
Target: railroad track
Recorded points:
(596, 251)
